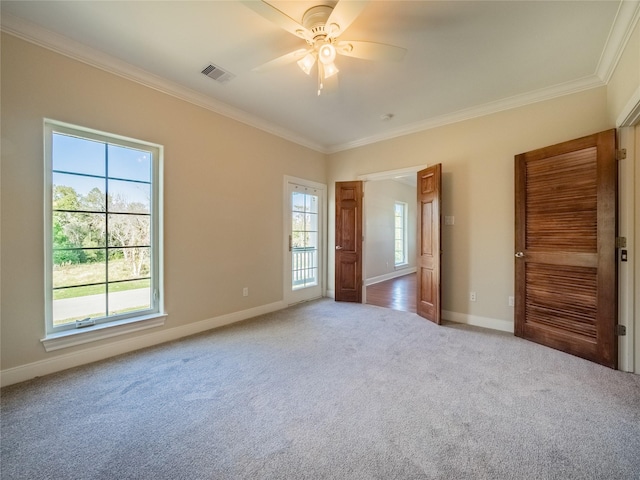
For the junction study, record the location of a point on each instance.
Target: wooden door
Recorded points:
(566, 281)
(348, 263)
(429, 240)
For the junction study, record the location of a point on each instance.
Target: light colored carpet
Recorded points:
(328, 390)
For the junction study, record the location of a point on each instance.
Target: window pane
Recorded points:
(129, 163)
(129, 196)
(312, 221)
(129, 230)
(78, 192)
(71, 304)
(129, 296)
(297, 202)
(78, 230)
(298, 221)
(68, 274)
(311, 203)
(311, 240)
(73, 154)
(297, 240)
(129, 263)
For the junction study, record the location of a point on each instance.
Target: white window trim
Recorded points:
(56, 339)
(71, 338)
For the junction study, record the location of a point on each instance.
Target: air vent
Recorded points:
(217, 73)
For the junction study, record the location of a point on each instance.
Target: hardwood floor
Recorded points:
(397, 293)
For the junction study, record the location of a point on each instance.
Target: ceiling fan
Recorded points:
(321, 28)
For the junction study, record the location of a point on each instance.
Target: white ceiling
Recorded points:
(465, 58)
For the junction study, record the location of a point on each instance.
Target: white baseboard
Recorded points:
(93, 354)
(331, 293)
(389, 276)
(485, 322)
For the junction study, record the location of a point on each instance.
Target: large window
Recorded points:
(400, 233)
(103, 228)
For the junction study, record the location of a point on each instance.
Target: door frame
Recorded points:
(628, 125)
(286, 230)
(628, 307)
(369, 177)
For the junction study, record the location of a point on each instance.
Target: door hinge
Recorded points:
(621, 154)
(621, 242)
(621, 330)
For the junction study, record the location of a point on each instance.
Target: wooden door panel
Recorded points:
(426, 277)
(562, 202)
(428, 262)
(426, 244)
(565, 230)
(348, 238)
(347, 221)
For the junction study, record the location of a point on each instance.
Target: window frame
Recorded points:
(405, 242)
(59, 336)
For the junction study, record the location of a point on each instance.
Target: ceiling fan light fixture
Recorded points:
(327, 53)
(330, 70)
(306, 63)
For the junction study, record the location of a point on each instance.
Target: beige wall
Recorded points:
(477, 159)
(223, 192)
(379, 204)
(223, 183)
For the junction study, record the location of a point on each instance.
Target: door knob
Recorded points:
(519, 254)
(338, 247)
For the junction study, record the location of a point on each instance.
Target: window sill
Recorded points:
(401, 266)
(71, 338)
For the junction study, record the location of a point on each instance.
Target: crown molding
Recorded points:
(621, 31)
(630, 115)
(623, 26)
(509, 103)
(63, 45)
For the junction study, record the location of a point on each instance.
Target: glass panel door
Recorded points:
(305, 220)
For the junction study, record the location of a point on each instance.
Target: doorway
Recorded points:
(389, 263)
(304, 240)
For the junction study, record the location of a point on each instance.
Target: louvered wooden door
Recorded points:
(566, 290)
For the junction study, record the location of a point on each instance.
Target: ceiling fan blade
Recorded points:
(281, 19)
(283, 60)
(343, 15)
(370, 50)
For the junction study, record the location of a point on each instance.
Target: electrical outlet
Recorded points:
(472, 296)
(245, 292)
(512, 302)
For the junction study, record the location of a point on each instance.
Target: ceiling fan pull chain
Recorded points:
(320, 75)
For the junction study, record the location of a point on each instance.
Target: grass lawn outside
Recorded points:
(69, 275)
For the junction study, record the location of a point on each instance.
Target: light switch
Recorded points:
(449, 220)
